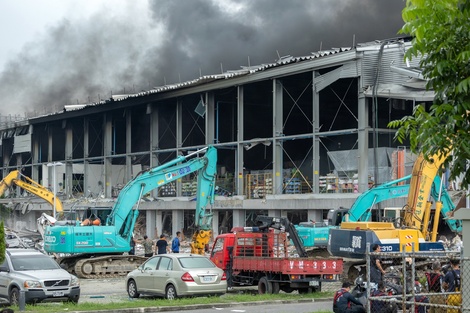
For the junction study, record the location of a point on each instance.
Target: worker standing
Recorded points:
(376, 269)
(148, 247)
(175, 244)
(162, 245)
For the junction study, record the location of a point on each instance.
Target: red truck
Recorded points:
(259, 256)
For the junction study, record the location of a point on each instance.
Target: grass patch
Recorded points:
(159, 302)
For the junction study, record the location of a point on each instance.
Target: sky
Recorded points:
(56, 53)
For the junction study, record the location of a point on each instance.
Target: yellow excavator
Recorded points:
(15, 178)
(418, 223)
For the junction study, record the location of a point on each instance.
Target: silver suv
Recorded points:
(38, 275)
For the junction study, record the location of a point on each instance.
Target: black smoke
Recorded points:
(88, 60)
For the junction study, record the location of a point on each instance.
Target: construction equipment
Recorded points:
(15, 178)
(417, 227)
(98, 251)
(259, 256)
(316, 234)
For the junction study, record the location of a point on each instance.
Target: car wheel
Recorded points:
(132, 289)
(264, 286)
(170, 292)
(14, 296)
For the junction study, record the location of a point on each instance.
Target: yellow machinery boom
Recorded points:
(417, 211)
(26, 183)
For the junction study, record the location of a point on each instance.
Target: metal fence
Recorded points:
(420, 282)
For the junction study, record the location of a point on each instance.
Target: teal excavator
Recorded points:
(94, 251)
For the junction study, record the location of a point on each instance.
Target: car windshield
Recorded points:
(33, 262)
(195, 262)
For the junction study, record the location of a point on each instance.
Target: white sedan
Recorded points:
(176, 275)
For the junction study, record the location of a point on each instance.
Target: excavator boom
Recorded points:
(422, 177)
(15, 178)
(114, 237)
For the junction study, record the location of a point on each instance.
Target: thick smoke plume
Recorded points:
(174, 40)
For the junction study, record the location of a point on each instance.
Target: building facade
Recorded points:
(295, 138)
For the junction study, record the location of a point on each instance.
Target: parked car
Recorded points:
(38, 275)
(176, 275)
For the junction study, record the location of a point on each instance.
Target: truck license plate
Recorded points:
(314, 283)
(57, 293)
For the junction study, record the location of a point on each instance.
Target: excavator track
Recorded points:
(110, 266)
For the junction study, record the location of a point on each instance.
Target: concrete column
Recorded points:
(107, 152)
(177, 222)
(238, 217)
(86, 163)
(315, 215)
(49, 144)
(68, 158)
(240, 185)
(316, 137)
(36, 159)
(129, 174)
(274, 213)
(154, 135)
(363, 143)
(49, 158)
(277, 134)
(210, 118)
(179, 139)
(159, 222)
(215, 224)
(150, 218)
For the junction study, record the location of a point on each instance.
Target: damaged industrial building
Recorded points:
(295, 138)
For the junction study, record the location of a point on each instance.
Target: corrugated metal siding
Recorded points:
(390, 57)
(244, 71)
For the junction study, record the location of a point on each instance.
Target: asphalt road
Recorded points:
(103, 290)
(114, 290)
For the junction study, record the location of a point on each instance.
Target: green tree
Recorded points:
(3, 242)
(441, 40)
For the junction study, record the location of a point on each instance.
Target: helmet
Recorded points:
(418, 287)
(359, 281)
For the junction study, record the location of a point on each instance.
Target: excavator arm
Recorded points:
(8, 181)
(204, 201)
(98, 251)
(361, 210)
(14, 178)
(123, 216)
(416, 213)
